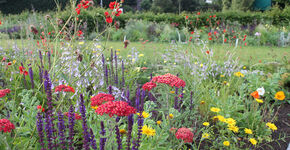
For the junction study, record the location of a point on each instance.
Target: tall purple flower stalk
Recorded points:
(103, 133)
(105, 70)
(49, 60)
(61, 130)
(86, 134)
(176, 99)
(93, 140)
(48, 129)
(40, 74)
(40, 57)
(112, 67)
(31, 77)
(71, 123)
(129, 133)
(137, 102)
(140, 120)
(47, 86)
(39, 124)
(110, 89)
(118, 136)
(181, 100)
(116, 68)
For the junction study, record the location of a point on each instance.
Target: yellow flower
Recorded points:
(117, 53)
(95, 107)
(195, 63)
(120, 57)
(183, 91)
(141, 55)
(259, 100)
(147, 130)
(248, 131)
(165, 61)
(81, 43)
(231, 121)
(280, 95)
(108, 59)
(159, 122)
(222, 76)
(233, 128)
(122, 131)
(171, 116)
(202, 102)
(144, 114)
(14, 61)
(118, 50)
(244, 67)
(253, 141)
(205, 135)
(206, 124)
(214, 109)
(172, 92)
(98, 46)
(271, 126)
(138, 69)
(174, 63)
(145, 62)
(133, 60)
(226, 143)
(239, 74)
(201, 65)
(129, 56)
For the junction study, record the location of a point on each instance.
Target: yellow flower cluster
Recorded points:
(205, 135)
(214, 109)
(147, 130)
(271, 126)
(253, 141)
(206, 124)
(144, 114)
(239, 74)
(248, 131)
(226, 143)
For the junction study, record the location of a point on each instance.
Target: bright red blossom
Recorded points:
(39, 107)
(185, 134)
(6, 125)
(4, 92)
(170, 79)
(109, 19)
(77, 116)
(148, 86)
(119, 108)
(101, 98)
(64, 88)
(114, 5)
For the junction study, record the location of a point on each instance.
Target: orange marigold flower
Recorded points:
(280, 95)
(255, 94)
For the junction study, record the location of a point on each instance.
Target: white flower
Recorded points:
(261, 91)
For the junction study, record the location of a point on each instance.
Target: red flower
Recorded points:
(39, 107)
(225, 30)
(192, 32)
(245, 44)
(210, 38)
(109, 19)
(101, 98)
(255, 94)
(4, 92)
(215, 32)
(214, 16)
(210, 16)
(198, 13)
(114, 5)
(77, 116)
(21, 69)
(244, 39)
(225, 40)
(78, 9)
(169, 79)
(235, 37)
(119, 108)
(80, 32)
(209, 34)
(9, 64)
(106, 14)
(185, 134)
(148, 86)
(6, 125)
(207, 52)
(186, 17)
(119, 12)
(64, 88)
(144, 68)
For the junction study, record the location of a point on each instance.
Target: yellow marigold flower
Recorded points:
(244, 67)
(147, 130)
(171, 116)
(201, 65)
(141, 55)
(214, 109)
(226, 143)
(231, 121)
(259, 100)
(95, 107)
(144, 114)
(172, 92)
(253, 141)
(206, 124)
(123, 131)
(248, 131)
(239, 74)
(280, 95)
(271, 126)
(221, 118)
(202, 102)
(159, 122)
(205, 135)
(222, 76)
(233, 128)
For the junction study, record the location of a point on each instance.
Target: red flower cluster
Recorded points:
(115, 6)
(169, 79)
(22, 70)
(185, 134)
(77, 116)
(64, 88)
(6, 125)
(83, 4)
(39, 107)
(148, 86)
(119, 108)
(4, 92)
(101, 98)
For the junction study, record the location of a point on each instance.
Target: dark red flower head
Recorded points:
(185, 134)
(4, 92)
(119, 108)
(64, 88)
(148, 86)
(170, 79)
(101, 98)
(6, 125)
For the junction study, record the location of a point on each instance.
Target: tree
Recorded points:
(146, 5)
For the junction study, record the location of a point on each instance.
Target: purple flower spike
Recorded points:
(39, 124)
(86, 135)
(129, 133)
(103, 133)
(31, 77)
(118, 136)
(71, 123)
(61, 130)
(116, 65)
(48, 130)
(93, 140)
(47, 86)
(49, 61)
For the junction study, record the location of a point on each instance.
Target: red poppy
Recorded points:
(245, 44)
(186, 17)
(198, 13)
(215, 32)
(119, 12)
(214, 16)
(225, 30)
(209, 34)
(192, 32)
(109, 19)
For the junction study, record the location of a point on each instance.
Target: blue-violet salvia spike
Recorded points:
(118, 136)
(31, 77)
(93, 140)
(47, 86)
(48, 131)
(61, 130)
(71, 123)
(116, 68)
(129, 133)
(86, 135)
(103, 133)
(39, 125)
(49, 61)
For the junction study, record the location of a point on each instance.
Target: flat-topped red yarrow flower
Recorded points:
(64, 88)
(170, 79)
(101, 98)
(6, 125)
(4, 92)
(119, 108)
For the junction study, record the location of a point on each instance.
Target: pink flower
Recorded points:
(101, 98)
(119, 108)
(170, 79)
(185, 134)
(4, 92)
